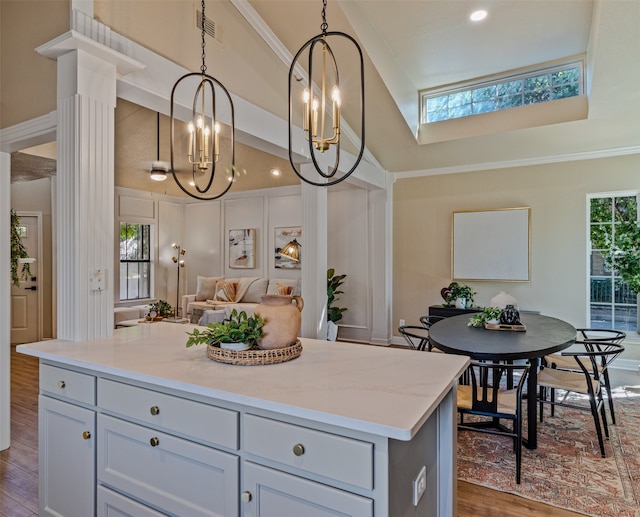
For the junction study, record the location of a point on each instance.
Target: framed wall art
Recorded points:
(242, 248)
(491, 245)
(288, 247)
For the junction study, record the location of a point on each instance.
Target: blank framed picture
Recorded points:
(491, 245)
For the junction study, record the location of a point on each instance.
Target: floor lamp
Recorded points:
(179, 261)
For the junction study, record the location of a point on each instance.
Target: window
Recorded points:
(135, 261)
(541, 85)
(613, 303)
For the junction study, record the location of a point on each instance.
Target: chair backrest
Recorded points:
(427, 321)
(601, 335)
(596, 356)
(485, 383)
(416, 337)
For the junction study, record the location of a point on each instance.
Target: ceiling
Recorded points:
(411, 45)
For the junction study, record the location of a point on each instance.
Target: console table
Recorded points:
(447, 312)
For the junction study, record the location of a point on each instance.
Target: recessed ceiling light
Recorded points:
(275, 172)
(478, 15)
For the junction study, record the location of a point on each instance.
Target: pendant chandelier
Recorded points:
(158, 169)
(322, 131)
(204, 133)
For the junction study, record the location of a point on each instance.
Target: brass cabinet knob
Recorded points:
(154, 441)
(155, 410)
(86, 435)
(61, 384)
(245, 496)
(298, 449)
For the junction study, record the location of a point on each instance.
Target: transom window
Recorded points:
(541, 85)
(614, 304)
(135, 261)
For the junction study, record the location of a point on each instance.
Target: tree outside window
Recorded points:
(615, 262)
(135, 261)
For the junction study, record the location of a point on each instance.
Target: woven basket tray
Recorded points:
(254, 357)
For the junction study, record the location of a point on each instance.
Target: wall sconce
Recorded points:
(291, 250)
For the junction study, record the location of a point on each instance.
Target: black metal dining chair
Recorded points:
(587, 379)
(485, 397)
(417, 337)
(600, 338)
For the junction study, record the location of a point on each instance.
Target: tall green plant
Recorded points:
(18, 251)
(333, 283)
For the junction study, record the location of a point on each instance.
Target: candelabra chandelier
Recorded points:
(315, 104)
(204, 132)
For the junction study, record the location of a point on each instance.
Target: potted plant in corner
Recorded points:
(239, 332)
(334, 314)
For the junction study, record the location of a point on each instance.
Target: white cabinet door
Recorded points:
(113, 504)
(67, 458)
(179, 476)
(271, 493)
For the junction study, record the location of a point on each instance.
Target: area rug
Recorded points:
(566, 470)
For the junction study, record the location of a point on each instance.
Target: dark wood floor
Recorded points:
(19, 464)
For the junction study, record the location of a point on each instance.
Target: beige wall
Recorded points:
(27, 79)
(557, 194)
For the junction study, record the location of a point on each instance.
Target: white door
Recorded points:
(25, 314)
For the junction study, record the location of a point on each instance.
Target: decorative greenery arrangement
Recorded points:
(333, 283)
(161, 308)
(18, 251)
(455, 291)
(238, 329)
(487, 314)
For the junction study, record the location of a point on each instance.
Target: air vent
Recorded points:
(210, 27)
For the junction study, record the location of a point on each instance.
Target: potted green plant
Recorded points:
(334, 314)
(459, 295)
(160, 309)
(239, 328)
(488, 315)
(18, 252)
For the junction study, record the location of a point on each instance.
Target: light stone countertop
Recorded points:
(383, 391)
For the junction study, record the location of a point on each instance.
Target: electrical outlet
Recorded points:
(419, 485)
(402, 323)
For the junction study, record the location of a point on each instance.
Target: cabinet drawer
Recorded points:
(336, 457)
(275, 493)
(211, 424)
(112, 504)
(178, 476)
(67, 383)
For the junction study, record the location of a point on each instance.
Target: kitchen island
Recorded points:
(138, 424)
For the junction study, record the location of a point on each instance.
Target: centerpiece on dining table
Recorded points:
(496, 318)
(242, 340)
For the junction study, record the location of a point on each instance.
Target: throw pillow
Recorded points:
(295, 283)
(226, 291)
(255, 291)
(206, 288)
(284, 289)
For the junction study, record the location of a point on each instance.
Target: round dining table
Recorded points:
(543, 335)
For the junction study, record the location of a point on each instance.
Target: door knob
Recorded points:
(154, 441)
(86, 435)
(61, 384)
(32, 288)
(155, 410)
(298, 449)
(246, 496)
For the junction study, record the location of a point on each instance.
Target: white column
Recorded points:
(380, 256)
(314, 260)
(85, 183)
(5, 299)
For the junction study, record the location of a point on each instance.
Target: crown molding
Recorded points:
(525, 162)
